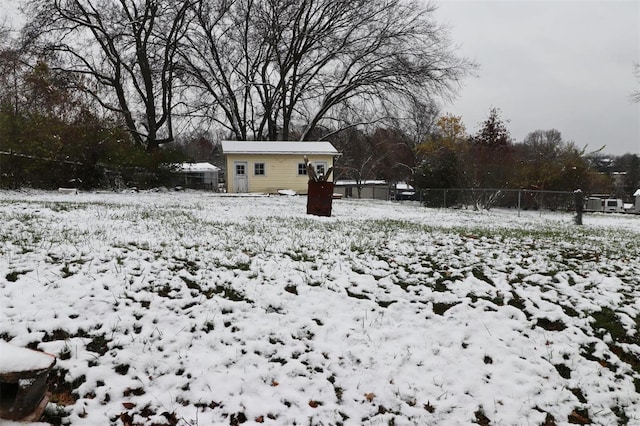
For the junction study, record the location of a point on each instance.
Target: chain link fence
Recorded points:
(521, 199)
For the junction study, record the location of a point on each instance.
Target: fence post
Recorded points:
(519, 194)
(579, 201)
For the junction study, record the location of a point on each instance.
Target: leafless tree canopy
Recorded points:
(274, 69)
(261, 69)
(635, 96)
(126, 49)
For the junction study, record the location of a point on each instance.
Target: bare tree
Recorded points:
(360, 159)
(224, 53)
(540, 159)
(270, 67)
(11, 67)
(635, 96)
(125, 50)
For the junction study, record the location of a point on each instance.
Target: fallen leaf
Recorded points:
(128, 405)
(313, 404)
(578, 418)
(274, 383)
(370, 396)
(260, 419)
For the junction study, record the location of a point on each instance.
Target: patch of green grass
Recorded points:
(299, 255)
(191, 284)
(356, 295)
(517, 302)
(121, 369)
(478, 273)
(623, 419)
(563, 371)
(165, 290)
(385, 303)
(606, 319)
(441, 308)
(12, 276)
(66, 271)
(569, 311)
(228, 293)
(291, 289)
(549, 325)
(98, 344)
(57, 334)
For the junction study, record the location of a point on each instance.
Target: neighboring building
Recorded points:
(594, 204)
(197, 176)
(636, 196)
(618, 181)
(375, 189)
(272, 166)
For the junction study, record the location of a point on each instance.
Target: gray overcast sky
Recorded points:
(555, 64)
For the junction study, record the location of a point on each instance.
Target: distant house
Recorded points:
(197, 176)
(375, 189)
(272, 166)
(372, 189)
(636, 196)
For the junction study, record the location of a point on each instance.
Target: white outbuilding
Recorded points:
(198, 176)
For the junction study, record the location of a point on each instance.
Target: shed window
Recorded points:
(321, 167)
(258, 169)
(302, 169)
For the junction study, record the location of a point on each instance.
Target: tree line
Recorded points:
(120, 77)
(447, 157)
(98, 88)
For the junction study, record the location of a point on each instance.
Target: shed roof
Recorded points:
(198, 167)
(278, 147)
(637, 193)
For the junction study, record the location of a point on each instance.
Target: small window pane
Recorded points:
(240, 171)
(302, 169)
(258, 169)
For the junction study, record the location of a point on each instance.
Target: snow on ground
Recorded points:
(199, 309)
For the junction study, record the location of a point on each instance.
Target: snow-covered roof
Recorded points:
(637, 193)
(370, 182)
(403, 185)
(278, 147)
(364, 182)
(198, 167)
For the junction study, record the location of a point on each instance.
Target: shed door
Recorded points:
(240, 176)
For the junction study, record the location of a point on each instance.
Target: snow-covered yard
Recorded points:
(199, 309)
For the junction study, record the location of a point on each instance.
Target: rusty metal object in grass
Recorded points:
(23, 382)
(319, 198)
(319, 191)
